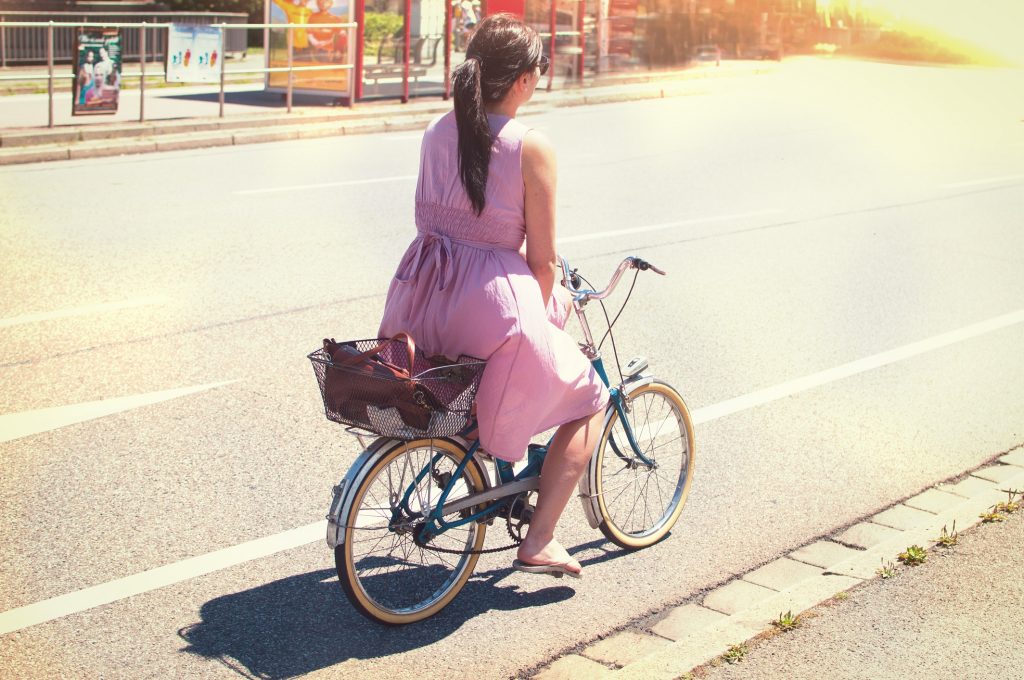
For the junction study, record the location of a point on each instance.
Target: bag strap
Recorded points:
(410, 346)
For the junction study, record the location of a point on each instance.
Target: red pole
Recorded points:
(551, 46)
(583, 40)
(357, 71)
(406, 30)
(447, 49)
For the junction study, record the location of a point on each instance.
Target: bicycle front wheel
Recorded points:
(638, 502)
(385, 573)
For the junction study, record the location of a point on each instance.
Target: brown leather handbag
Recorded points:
(363, 386)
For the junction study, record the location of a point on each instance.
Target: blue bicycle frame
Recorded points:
(434, 524)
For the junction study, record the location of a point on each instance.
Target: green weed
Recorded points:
(948, 540)
(735, 654)
(887, 570)
(992, 517)
(1011, 505)
(787, 621)
(913, 556)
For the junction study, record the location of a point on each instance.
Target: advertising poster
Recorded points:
(318, 45)
(194, 54)
(97, 83)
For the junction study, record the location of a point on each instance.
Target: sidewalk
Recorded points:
(185, 118)
(957, 615)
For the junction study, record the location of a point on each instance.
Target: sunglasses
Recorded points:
(543, 64)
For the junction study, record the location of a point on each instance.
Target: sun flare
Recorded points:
(993, 26)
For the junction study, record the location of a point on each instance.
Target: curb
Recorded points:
(18, 146)
(693, 634)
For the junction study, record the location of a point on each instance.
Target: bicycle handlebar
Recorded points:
(571, 280)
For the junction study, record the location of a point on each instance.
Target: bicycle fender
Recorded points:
(589, 501)
(340, 500)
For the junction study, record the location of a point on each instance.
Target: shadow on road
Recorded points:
(303, 623)
(386, 93)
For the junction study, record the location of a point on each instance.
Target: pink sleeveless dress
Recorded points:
(463, 287)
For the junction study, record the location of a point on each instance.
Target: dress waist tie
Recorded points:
(441, 246)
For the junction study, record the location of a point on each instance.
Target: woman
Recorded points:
(467, 286)
(85, 76)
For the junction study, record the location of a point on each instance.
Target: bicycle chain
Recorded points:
(516, 541)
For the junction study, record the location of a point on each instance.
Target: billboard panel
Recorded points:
(194, 54)
(318, 45)
(97, 83)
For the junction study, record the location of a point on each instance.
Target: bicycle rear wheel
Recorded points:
(638, 504)
(386, 575)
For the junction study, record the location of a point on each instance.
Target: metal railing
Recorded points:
(141, 74)
(29, 46)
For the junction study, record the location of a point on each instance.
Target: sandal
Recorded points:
(556, 569)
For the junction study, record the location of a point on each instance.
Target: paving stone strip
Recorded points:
(695, 633)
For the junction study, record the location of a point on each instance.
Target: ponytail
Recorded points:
(474, 131)
(508, 48)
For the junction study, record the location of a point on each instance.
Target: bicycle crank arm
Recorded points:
(502, 491)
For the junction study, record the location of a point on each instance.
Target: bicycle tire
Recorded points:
(397, 581)
(636, 506)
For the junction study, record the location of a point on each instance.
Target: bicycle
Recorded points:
(407, 523)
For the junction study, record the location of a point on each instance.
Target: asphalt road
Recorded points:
(820, 217)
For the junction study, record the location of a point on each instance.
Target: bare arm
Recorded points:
(540, 175)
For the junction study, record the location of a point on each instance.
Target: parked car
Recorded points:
(768, 51)
(708, 53)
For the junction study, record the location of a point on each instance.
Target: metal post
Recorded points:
(223, 32)
(583, 41)
(357, 72)
(291, 49)
(406, 31)
(49, 68)
(551, 46)
(3, 42)
(142, 72)
(448, 49)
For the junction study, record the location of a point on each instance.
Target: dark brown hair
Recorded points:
(502, 49)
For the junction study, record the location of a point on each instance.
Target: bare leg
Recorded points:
(566, 460)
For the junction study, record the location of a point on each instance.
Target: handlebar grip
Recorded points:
(644, 265)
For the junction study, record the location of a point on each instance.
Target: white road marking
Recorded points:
(979, 182)
(666, 225)
(791, 387)
(82, 311)
(112, 591)
(26, 423)
(324, 185)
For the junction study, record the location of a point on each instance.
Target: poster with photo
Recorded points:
(194, 54)
(318, 45)
(97, 83)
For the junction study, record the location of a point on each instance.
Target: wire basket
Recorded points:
(440, 405)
